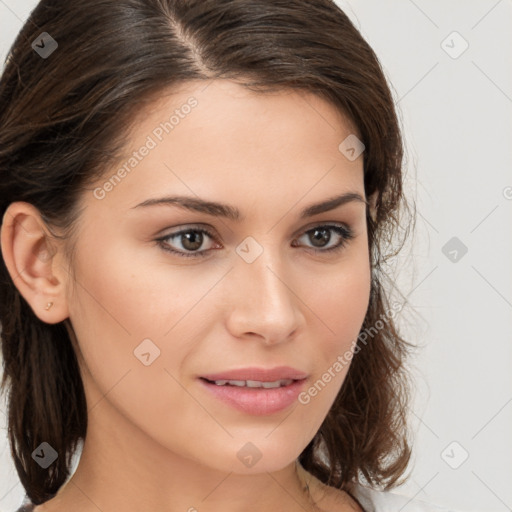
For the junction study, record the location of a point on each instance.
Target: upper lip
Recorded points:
(258, 374)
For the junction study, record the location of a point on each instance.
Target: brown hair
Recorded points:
(63, 121)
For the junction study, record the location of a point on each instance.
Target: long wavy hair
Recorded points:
(64, 120)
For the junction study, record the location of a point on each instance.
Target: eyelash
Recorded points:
(343, 231)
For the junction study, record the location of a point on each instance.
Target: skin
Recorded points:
(156, 439)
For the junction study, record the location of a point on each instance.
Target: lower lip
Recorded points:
(258, 401)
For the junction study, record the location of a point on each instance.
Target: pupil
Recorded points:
(192, 240)
(320, 235)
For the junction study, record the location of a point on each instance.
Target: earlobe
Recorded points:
(32, 262)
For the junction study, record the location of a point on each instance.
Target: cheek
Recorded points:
(128, 304)
(127, 293)
(120, 313)
(340, 303)
(345, 298)
(113, 308)
(341, 299)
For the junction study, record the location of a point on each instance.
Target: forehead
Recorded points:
(220, 138)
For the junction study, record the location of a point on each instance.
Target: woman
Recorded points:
(196, 199)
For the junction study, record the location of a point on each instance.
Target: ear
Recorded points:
(33, 262)
(372, 200)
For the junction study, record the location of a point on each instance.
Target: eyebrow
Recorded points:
(232, 213)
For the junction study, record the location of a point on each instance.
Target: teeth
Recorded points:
(277, 383)
(255, 383)
(237, 382)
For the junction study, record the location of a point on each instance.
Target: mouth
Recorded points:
(252, 383)
(256, 391)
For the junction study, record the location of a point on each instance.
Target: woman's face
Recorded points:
(265, 281)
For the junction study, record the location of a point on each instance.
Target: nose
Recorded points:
(262, 299)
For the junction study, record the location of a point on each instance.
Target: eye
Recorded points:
(321, 237)
(192, 239)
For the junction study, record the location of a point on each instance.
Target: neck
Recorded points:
(121, 468)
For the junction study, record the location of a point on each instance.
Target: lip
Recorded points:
(257, 401)
(261, 374)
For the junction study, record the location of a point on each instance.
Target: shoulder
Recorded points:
(362, 498)
(384, 501)
(370, 499)
(26, 507)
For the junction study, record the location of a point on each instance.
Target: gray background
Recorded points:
(456, 112)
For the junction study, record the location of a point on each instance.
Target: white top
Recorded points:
(385, 501)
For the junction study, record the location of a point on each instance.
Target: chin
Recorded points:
(250, 455)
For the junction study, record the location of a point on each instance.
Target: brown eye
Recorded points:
(187, 242)
(191, 240)
(321, 236)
